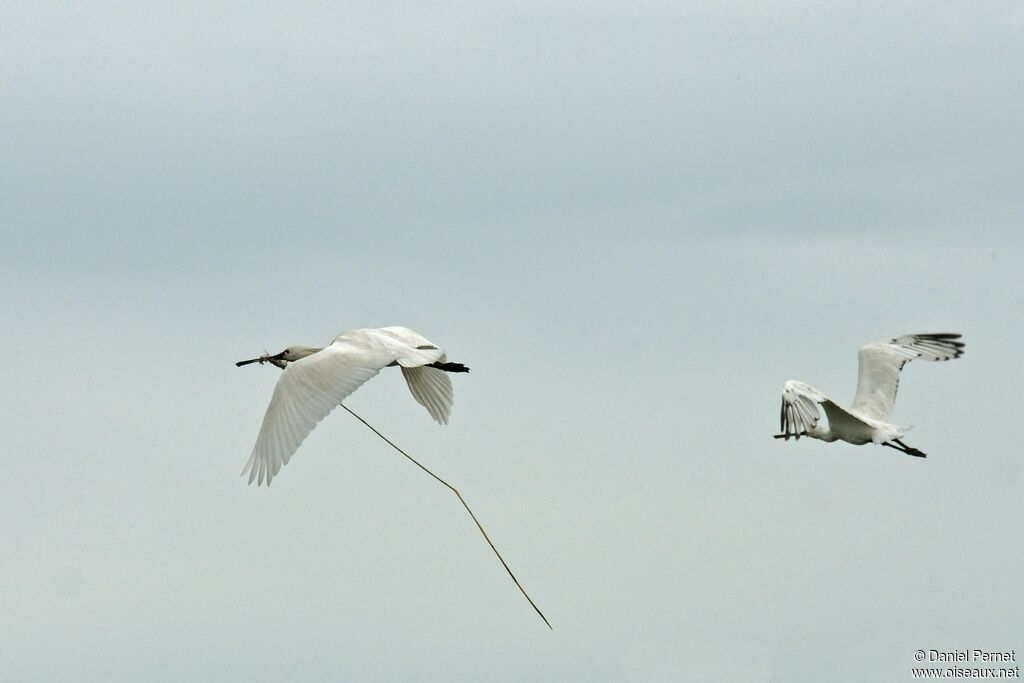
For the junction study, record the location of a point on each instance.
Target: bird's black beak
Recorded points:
(264, 359)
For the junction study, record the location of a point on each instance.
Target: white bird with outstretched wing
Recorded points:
(315, 381)
(866, 420)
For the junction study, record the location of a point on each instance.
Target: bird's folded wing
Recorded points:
(799, 411)
(410, 349)
(405, 336)
(432, 389)
(879, 366)
(306, 392)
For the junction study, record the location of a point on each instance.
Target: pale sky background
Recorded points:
(633, 222)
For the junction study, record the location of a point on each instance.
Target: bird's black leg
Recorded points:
(449, 367)
(904, 448)
(911, 450)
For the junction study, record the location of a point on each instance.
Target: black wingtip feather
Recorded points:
(945, 339)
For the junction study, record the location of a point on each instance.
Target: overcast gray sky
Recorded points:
(633, 222)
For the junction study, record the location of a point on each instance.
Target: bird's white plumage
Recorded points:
(432, 389)
(866, 420)
(800, 412)
(879, 366)
(311, 387)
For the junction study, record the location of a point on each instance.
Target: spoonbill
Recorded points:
(315, 380)
(877, 380)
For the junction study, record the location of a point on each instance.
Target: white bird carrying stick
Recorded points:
(316, 380)
(878, 378)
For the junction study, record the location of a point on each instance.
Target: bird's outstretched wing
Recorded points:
(799, 412)
(432, 389)
(880, 364)
(313, 386)
(306, 392)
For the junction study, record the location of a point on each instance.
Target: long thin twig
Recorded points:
(463, 501)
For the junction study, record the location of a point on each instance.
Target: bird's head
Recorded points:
(289, 355)
(294, 353)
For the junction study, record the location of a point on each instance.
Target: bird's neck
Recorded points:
(303, 351)
(823, 433)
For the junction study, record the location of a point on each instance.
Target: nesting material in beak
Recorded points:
(265, 358)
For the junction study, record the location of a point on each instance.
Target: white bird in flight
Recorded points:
(315, 381)
(877, 380)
